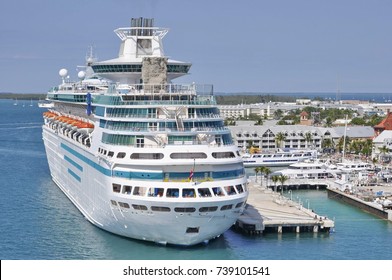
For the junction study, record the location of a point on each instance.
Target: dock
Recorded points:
(268, 211)
(360, 202)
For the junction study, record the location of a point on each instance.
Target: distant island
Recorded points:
(23, 96)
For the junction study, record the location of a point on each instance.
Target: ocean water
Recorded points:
(39, 222)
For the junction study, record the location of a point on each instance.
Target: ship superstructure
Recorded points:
(141, 156)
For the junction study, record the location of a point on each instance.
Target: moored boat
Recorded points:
(277, 159)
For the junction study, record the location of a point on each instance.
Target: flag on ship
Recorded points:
(191, 175)
(192, 171)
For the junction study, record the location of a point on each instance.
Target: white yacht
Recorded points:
(353, 166)
(138, 155)
(309, 170)
(278, 159)
(45, 104)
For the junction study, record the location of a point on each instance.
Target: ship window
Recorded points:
(121, 155)
(139, 191)
(223, 155)
(147, 156)
(172, 192)
(184, 209)
(116, 188)
(127, 189)
(204, 192)
(110, 154)
(187, 155)
(208, 209)
(155, 192)
(226, 207)
(218, 191)
(239, 205)
(230, 190)
(123, 205)
(160, 209)
(188, 193)
(139, 207)
(239, 188)
(114, 203)
(192, 230)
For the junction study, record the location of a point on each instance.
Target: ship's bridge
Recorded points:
(140, 41)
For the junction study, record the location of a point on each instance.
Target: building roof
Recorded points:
(386, 134)
(304, 114)
(352, 131)
(386, 123)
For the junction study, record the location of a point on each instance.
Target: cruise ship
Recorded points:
(139, 155)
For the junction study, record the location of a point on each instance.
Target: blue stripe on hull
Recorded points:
(229, 174)
(73, 163)
(74, 175)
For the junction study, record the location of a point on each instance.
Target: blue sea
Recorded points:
(38, 222)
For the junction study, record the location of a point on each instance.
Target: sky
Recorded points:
(238, 46)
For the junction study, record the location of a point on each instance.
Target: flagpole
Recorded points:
(192, 171)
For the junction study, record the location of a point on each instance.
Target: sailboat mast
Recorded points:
(344, 138)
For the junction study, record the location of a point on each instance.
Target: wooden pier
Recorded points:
(268, 211)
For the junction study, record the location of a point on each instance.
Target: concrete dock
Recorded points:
(365, 203)
(268, 211)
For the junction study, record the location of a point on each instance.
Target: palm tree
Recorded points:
(275, 179)
(328, 122)
(308, 138)
(279, 139)
(368, 147)
(327, 143)
(383, 150)
(267, 172)
(341, 142)
(282, 179)
(257, 170)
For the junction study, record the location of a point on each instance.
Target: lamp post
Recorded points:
(307, 200)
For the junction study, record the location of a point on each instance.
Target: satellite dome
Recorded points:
(63, 72)
(81, 75)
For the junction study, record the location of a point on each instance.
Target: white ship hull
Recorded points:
(91, 192)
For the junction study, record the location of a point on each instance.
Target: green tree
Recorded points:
(328, 122)
(282, 179)
(278, 114)
(358, 121)
(340, 143)
(275, 179)
(308, 138)
(279, 139)
(367, 147)
(257, 170)
(267, 172)
(327, 143)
